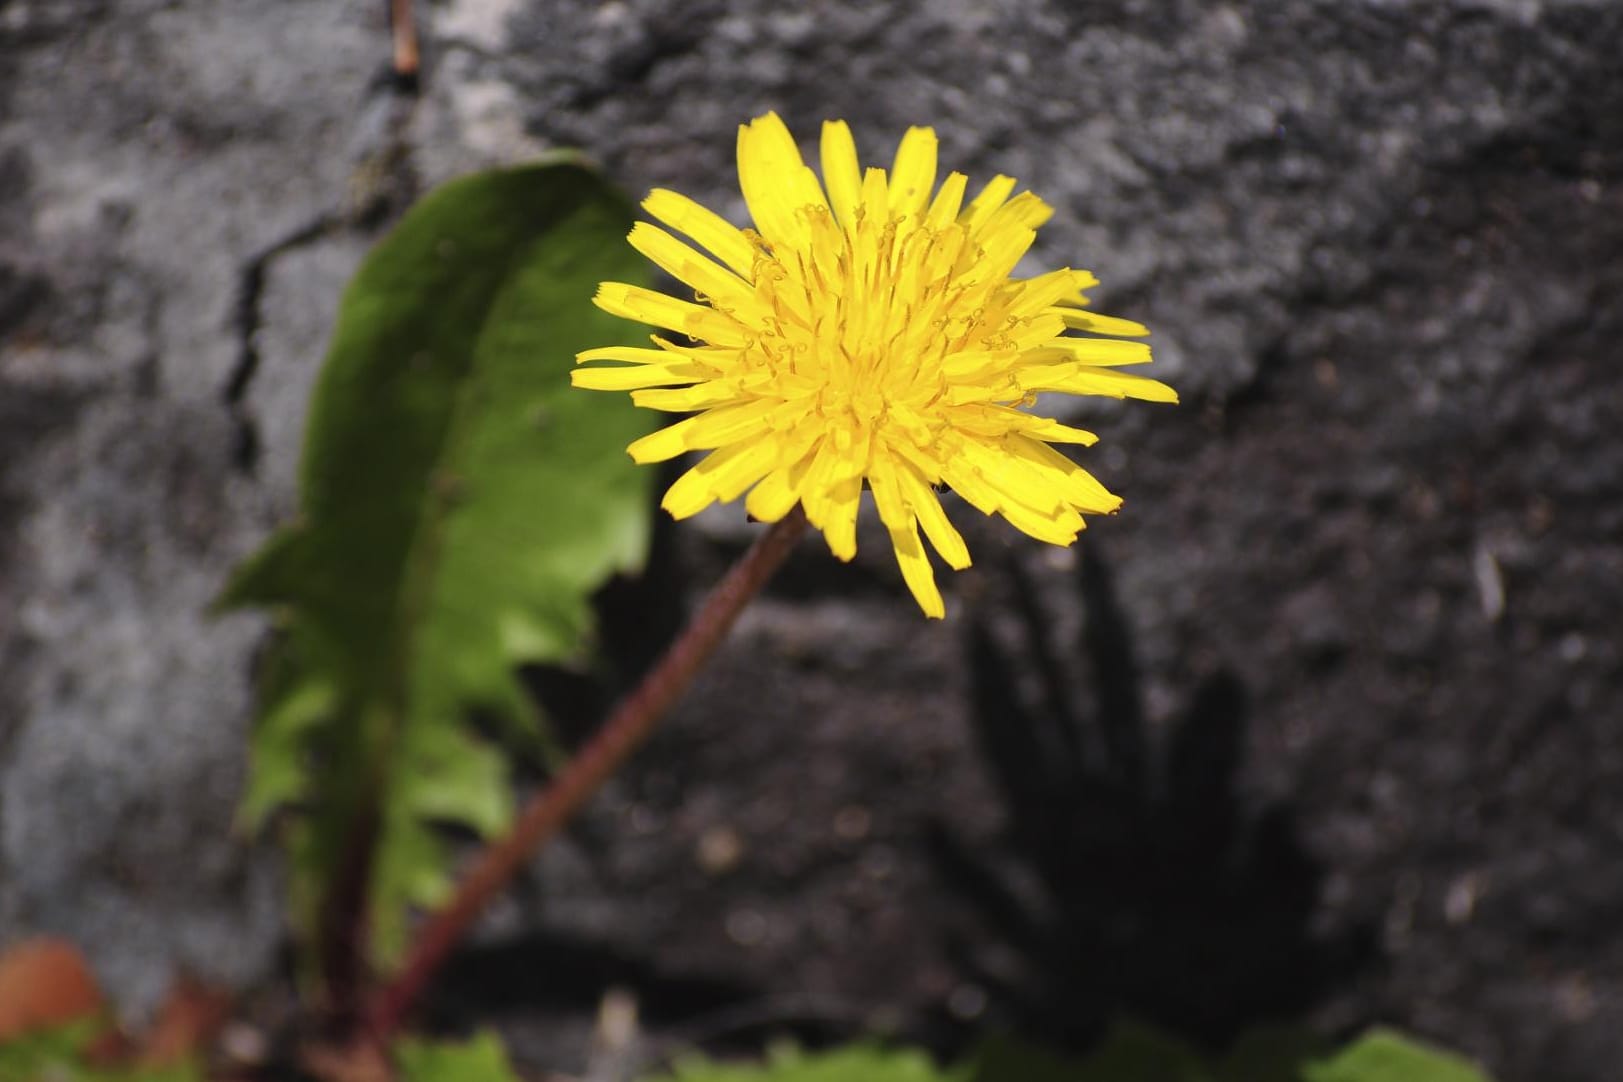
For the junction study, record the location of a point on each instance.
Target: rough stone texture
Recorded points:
(1380, 245)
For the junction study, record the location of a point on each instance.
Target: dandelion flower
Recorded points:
(868, 331)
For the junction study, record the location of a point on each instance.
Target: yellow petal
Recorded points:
(1046, 429)
(991, 385)
(904, 538)
(1102, 381)
(917, 572)
(874, 198)
(647, 306)
(922, 501)
(1032, 499)
(944, 208)
(727, 424)
(634, 377)
(821, 474)
(686, 399)
(773, 497)
(721, 475)
(775, 181)
(779, 491)
(912, 176)
(713, 428)
(723, 239)
(1001, 250)
(1078, 487)
(1102, 352)
(1080, 319)
(720, 287)
(1024, 211)
(983, 205)
(844, 500)
(969, 484)
(639, 354)
(668, 443)
(841, 172)
(973, 364)
(1081, 280)
(1057, 528)
(1042, 292)
(887, 492)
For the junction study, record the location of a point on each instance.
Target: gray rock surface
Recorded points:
(1381, 246)
(152, 159)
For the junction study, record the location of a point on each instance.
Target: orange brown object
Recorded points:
(403, 30)
(43, 983)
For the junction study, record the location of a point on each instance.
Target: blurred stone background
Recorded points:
(1362, 600)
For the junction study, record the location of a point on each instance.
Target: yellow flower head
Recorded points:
(868, 330)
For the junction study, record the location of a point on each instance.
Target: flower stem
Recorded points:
(625, 730)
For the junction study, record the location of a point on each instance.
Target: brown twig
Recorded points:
(549, 810)
(403, 28)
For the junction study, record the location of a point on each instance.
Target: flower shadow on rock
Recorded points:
(1139, 883)
(564, 973)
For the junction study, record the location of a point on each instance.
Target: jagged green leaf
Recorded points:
(459, 505)
(853, 1063)
(296, 699)
(1387, 1056)
(481, 1058)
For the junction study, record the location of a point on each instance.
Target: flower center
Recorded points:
(863, 318)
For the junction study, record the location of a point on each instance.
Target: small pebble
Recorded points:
(746, 927)
(720, 849)
(852, 823)
(243, 1044)
(967, 1002)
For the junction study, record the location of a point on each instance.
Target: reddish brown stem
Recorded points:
(621, 734)
(342, 927)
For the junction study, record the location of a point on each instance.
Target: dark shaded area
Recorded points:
(1145, 882)
(637, 617)
(540, 971)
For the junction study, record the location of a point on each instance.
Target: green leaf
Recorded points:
(460, 503)
(481, 1058)
(1007, 1059)
(1130, 1052)
(1386, 1056)
(60, 1054)
(853, 1063)
(1271, 1054)
(1133, 1052)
